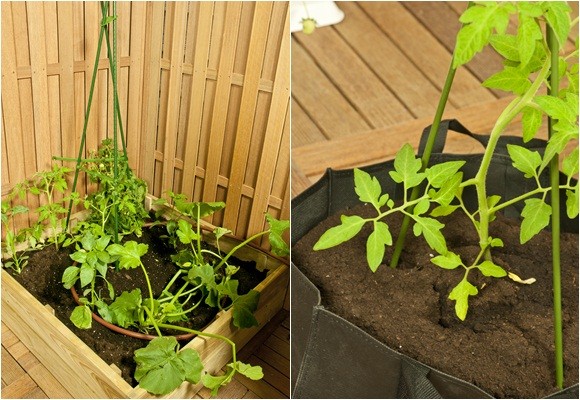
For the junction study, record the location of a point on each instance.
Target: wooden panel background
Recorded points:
(204, 91)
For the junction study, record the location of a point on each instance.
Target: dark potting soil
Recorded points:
(42, 278)
(505, 345)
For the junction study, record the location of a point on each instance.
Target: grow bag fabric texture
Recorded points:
(332, 358)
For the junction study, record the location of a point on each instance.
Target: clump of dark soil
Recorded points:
(504, 346)
(42, 278)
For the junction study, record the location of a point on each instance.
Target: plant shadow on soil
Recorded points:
(504, 346)
(43, 274)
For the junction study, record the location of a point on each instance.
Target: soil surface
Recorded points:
(504, 346)
(42, 278)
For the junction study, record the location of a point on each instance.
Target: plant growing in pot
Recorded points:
(428, 194)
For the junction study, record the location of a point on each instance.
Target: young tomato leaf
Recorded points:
(488, 268)
(421, 207)
(376, 242)
(70, 276)
(448, 191)
(558, 17)
(460, 294)
(524, 160)
(531, 122)
(556, 108)
(510, 79)
(449, 260)
(82, 317)
(407, 167)
(441, 211)
(496, 242)
(438, 174)
(431, 230)
(366, 187)
(570, 164)
(349, 227)
(506, 45)
(536, 216)
(572, 202)
(528, 33)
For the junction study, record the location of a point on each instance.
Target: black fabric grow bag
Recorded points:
(332, 358)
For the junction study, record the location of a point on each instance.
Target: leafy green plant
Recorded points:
(526, 68)
(14, 239)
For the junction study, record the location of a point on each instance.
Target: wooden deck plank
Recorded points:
(278, 345)
(427, 52)
(276, 360)
(313, 90)
(304, 129)
(356, 81)
(11, 370)
(20, 388)
(392, 66)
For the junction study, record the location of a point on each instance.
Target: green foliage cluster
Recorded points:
(526, 69)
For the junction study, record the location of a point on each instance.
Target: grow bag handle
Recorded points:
(456, 126)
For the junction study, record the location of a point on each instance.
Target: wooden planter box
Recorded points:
(85, 375)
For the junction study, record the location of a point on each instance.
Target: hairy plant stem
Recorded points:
(239, 246)
(555, 203)
(502, 122)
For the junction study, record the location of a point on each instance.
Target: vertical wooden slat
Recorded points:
(247, 112)
(222, 97)
(134, 107)
(66, 60)
(176, 69)
(151, 79)
(197, 97)
(35, 12)
(278, 108)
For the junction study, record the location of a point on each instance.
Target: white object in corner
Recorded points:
(324, 12)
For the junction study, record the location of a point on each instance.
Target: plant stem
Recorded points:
(555, 203)
(502, 122)
(239, 246)
(400, 243)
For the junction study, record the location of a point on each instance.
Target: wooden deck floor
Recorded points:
(364, 87)
(23, 376)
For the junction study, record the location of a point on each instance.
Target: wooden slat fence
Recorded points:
(204, 91)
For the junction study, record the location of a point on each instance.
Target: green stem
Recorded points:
(400, 243)
(515, 200)
(239, 246)
(555, 203)
(115, 117)
(85, 125)
(502, 122)
(151, 304)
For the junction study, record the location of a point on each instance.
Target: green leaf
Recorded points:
(253, 372)
(129, 254)
(376, 242)
(349, 227)
(124, 309)
(572, 202)
(185, 232)
(556, 108)
(496, 242)
(439, 174)
(421, 207)
(202, 274)
(366, 187)
(479, 21)
(460, 294)
(431, 230)
(531, 122)
(79, 256)
(570, 164)
(449, 260)
(87, 274)
(70, 276)
(107, 20)
(536, 216)
(528, 33)
(441, 211)
(524, 160)
(407, 167)
(448, 191)
(213, 383)
(506, 46)
(161, 369)
(557, 143)
(82, 317)
(243, 309)
(558, 17)
(509, 79)
(277, 229)
(488, 268)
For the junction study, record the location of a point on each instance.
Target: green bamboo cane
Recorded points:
(115, 133)
(85, 125)
(400, 243)
(553, 90)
